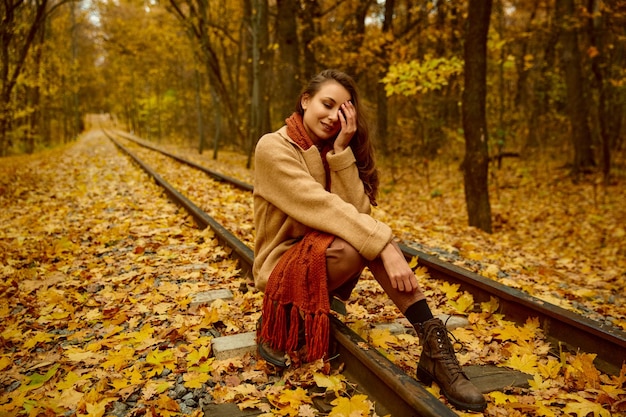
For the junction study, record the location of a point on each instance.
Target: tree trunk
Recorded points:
(218, 121)
(287, 87)
(259, 105)
(476, 162)
(540, 97)
(35, 95)
(610, 107)
(309, 14)
(381, 95)
(201, 139)
(576, 104)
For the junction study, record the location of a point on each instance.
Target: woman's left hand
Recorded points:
(347, 117)
(400, 273)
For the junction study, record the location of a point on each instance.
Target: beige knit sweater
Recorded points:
(290, 199)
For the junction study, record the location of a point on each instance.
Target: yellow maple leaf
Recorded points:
(163, 308)
(581, 407)
(491, 271)
(612, 390)
(249, 403)
(332, 382)
(68, 382)
(14, 333)
(135, 377)
(450, 290)
(120, 383)
(118, 360)
(538, 383)
(161, 359)
(490, 306)
(358, 405)
(500, 398)
(525, 363)
(550, 369)
(38, 337)
(164, 402)
(382, 338)
(243, 392)
(195, 356)
(76, 354)
(195, 379)
(96, 409)
(507, 331)
(463, 303)
(583, 371)
(289, 401)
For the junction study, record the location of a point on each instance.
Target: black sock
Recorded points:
(418, 312)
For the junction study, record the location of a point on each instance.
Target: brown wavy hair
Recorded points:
(361, 144)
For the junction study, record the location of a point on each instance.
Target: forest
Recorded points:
(499, 127)
(474, 80)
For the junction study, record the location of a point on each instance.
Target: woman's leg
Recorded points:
(344, 265)
(438, 360)
(402, 299)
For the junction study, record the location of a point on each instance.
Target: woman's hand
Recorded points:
(347, 117)
(400, 274)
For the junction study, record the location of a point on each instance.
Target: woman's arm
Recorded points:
(283, 179)
(400, 273)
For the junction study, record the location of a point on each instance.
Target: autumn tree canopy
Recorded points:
(229, 71)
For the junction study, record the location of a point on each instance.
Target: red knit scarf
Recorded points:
(297, 289)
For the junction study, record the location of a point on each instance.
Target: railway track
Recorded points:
(394, 391)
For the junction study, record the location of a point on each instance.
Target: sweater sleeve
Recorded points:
(283, 179)
(345, 180)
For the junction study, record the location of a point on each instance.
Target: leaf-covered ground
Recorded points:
(98, 270)
(561, 240)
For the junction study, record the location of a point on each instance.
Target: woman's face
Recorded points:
(321, 111)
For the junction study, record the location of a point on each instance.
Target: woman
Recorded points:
(315, 182)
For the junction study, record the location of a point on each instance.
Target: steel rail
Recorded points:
(562, 327)
(392, 390)
(214, 174)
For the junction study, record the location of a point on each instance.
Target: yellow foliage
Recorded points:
(525, 363)
(382, 338)
(463, 303)
(490, 306)
(288, 401)
(582, 407)
(335, 383)
(356, 406)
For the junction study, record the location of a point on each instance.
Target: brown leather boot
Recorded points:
(438, 362)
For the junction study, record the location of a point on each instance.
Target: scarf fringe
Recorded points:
(284, 335)
(318, 327)
(296, 300)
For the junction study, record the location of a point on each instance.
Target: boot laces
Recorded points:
(447, 354)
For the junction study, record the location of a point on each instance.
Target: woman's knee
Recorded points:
(343, 261)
